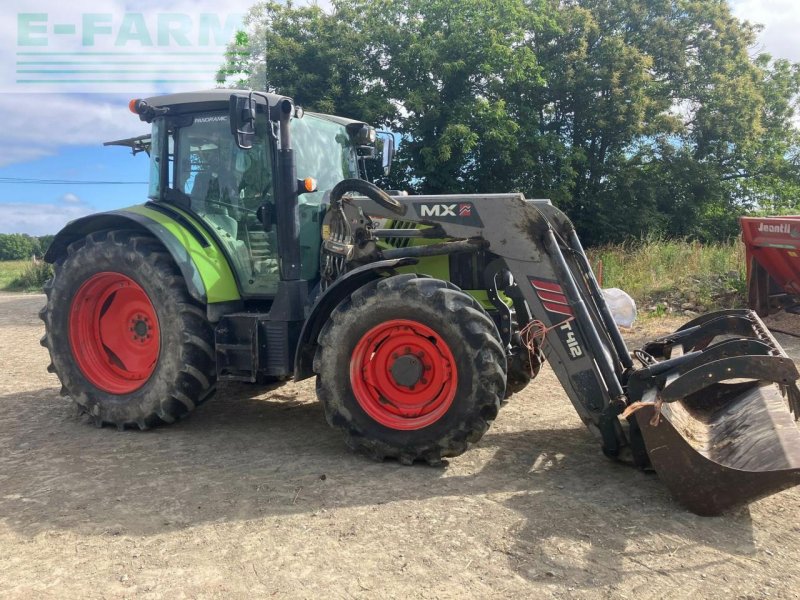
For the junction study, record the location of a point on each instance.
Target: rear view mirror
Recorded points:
(388, 152)
(243, 120)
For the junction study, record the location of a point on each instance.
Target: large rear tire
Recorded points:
(411, 368)
(129, 344)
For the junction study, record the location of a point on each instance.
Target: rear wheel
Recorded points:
(128, 343)
(411, 368)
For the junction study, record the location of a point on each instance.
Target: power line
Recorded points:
(27, 180)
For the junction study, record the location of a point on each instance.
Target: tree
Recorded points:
(16, 246)
(451, 68)
(633, 116)
(316, 58)
(44, 243)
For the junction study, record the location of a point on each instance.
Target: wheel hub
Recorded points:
(407, 370)
(140, 328)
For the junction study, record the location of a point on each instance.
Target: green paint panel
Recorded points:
(439, 268)
(210, 262)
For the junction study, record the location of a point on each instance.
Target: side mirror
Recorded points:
(243, 120)
(388, 152)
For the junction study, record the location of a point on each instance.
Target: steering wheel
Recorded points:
(371, 191)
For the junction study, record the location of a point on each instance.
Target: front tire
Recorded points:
(129, 344)
(410, 368)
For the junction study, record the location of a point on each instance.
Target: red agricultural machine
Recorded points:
(772, 245)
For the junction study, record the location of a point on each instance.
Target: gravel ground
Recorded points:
(255, 496)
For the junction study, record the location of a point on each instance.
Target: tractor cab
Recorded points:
(198, 165)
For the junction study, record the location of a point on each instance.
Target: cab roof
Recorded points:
(212, 96)
(218, 98)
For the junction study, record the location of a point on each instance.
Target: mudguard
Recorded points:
(330, 299)
(204, 267)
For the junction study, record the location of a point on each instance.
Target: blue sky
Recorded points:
(52, 134)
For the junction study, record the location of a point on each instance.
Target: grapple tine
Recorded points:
(714, 422)
(793, 398)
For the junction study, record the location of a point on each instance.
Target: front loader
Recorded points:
(418, 315)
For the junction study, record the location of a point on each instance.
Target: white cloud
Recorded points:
(781, 21)
(38, 219)
(39, 128)
(71, 198)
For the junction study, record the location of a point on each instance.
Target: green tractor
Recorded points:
(264, 254)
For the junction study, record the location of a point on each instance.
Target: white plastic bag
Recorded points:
(622, 306)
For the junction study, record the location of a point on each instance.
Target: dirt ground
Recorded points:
(254, 496)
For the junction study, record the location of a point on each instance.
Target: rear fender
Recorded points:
(208, 276)
(330, 299)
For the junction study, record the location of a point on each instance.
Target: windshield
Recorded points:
(213, 171)
(323, 151)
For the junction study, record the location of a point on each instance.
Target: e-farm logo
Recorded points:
(131, 51)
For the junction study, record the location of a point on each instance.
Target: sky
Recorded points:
(54, 127)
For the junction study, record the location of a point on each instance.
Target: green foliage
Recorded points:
(17, 246)
(635, 116)
(32, 278)
(302, 52)
(44, 243)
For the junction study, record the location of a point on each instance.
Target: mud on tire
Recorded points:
(458, 322)
(183, 375)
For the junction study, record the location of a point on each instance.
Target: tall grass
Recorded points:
(651, 269)
(10, 270)
(24, 275)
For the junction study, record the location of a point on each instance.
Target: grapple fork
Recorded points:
(712, 412)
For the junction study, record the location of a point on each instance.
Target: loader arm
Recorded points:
(705, 407)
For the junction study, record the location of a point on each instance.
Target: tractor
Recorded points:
(264, 253)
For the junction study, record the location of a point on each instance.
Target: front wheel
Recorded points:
(128, 343)
(411, 368)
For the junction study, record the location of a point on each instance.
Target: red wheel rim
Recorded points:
(403, 375)
(114, 333)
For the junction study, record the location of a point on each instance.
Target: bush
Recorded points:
(33, 278)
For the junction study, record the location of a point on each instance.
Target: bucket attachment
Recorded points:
(709, 412)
